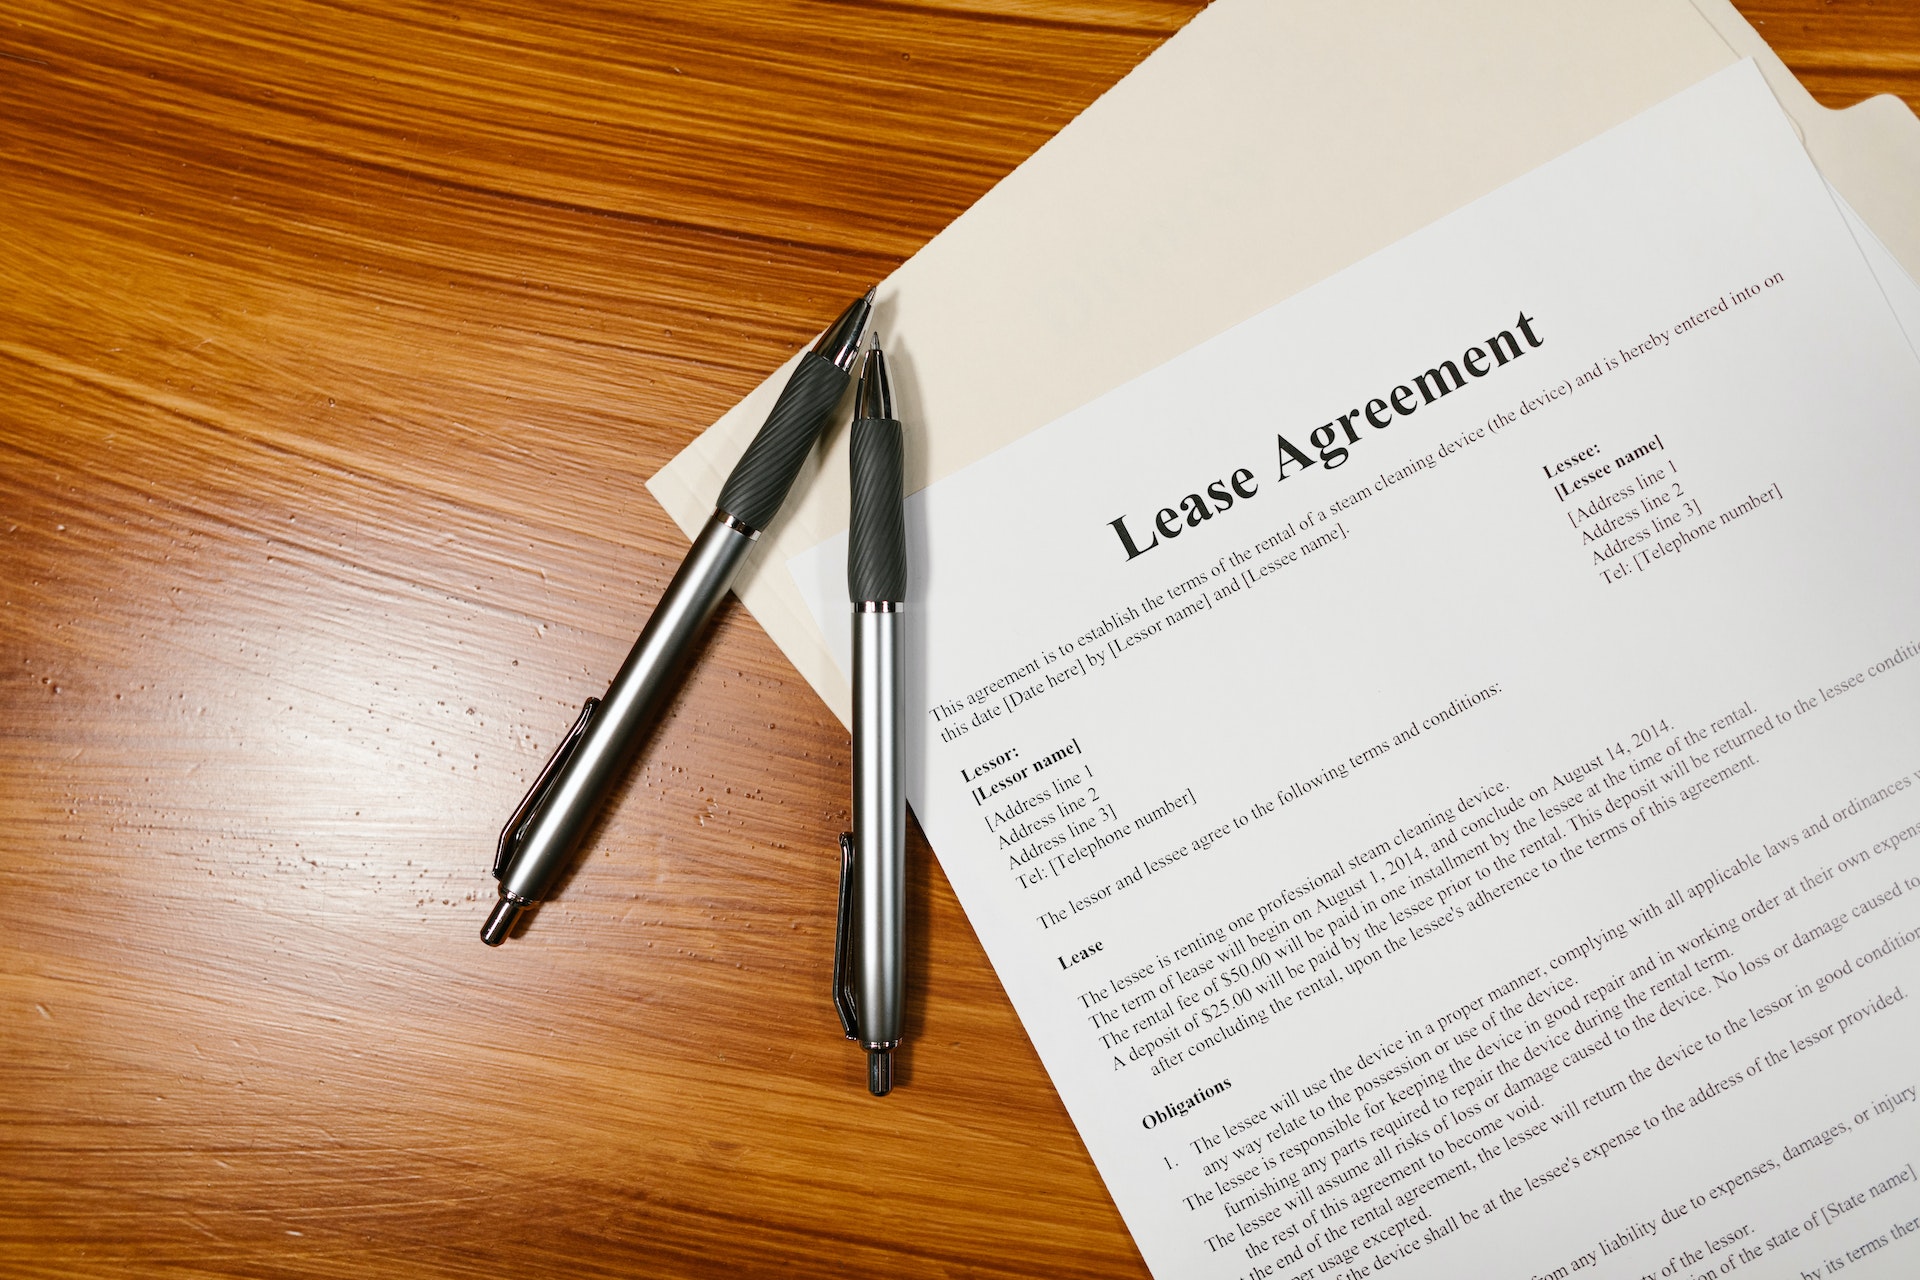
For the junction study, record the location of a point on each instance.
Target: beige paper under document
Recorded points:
(1260, 150)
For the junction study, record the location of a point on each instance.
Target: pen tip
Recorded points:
(874, 398)
(840, 344)
(879, 1072)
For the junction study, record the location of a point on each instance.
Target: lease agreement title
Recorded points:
(1331, 443)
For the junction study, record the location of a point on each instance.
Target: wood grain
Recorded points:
(336, 341)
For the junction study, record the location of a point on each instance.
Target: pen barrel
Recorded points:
(644, 685)
(876, 530)
(879, 825)
(759, 482)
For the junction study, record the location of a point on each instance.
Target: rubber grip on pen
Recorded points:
(876, 537)
(760, 480)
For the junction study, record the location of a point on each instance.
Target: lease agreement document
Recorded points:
(1437, 766)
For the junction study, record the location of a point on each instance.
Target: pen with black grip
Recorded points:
(871, 965)
(541, 836)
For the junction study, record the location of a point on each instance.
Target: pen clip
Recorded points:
(515, 830)
(843, 944)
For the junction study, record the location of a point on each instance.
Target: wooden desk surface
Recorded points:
(329, 335)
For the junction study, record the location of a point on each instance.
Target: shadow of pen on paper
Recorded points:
(921, 871)
(907, 403)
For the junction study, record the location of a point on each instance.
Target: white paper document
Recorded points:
(1437, 766)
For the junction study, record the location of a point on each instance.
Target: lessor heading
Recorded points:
(1330, 443)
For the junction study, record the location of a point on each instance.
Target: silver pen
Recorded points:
(869, 984)
(541, 836)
